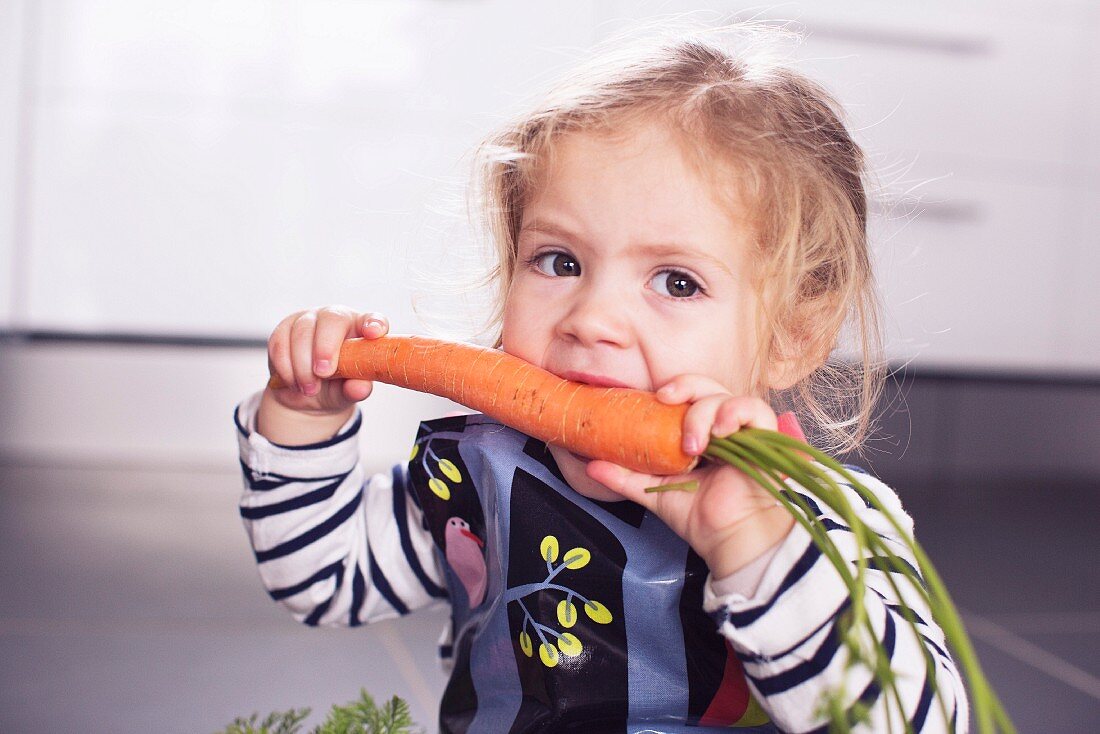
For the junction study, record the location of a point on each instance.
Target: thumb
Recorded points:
(630, 484)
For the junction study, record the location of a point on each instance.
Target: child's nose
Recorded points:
(598, 316)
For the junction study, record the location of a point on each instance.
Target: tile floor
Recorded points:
(131, 604)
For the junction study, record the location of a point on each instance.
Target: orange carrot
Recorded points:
(629, 427)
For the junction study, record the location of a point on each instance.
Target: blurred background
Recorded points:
(177, 177)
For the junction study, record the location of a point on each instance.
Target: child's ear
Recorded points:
(814, 342)
(784, 373)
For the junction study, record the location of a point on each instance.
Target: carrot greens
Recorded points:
(765, 456)
(362, 716)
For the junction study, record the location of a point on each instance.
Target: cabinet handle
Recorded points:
(959, 211)
(941, 43)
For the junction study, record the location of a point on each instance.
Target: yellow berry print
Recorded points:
(450, 470)
(549, 549)
(569, 645)
(440, 488)
(597, 612)
(549, 654)
(567, 613)
(553, 640)
(436, 468)
(576, 558)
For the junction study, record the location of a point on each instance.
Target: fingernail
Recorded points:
(321, 367)
(691, 445)
(310, 389)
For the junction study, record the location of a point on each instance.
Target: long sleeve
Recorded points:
(333, 547)
(787, 635)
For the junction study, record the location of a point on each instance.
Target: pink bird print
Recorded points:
(464, 554)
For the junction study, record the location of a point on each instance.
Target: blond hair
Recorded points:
(780, 145)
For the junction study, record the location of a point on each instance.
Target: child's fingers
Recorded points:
(373, 325)
(304, 348)
(301, 352)
(721, 415)
(630, 484)
(278, 350)
(714, 411)
(699, 422)
(369, 325)
(706, 396)
(332, 327)
(740, 412)
(687, 388)
(356, 390)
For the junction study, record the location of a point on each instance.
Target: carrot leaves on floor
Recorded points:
(362, 716)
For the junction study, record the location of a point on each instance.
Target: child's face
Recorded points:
(629, 271)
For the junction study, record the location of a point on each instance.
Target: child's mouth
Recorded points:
(590, 379)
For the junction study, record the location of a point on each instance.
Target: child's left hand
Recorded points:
(729, 520)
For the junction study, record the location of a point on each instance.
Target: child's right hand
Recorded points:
(302, 351)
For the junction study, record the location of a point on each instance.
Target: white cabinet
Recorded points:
(12, 59)
(973, 275)
(976, 122)
(207, 167)
(979, 120)
(1079, 324)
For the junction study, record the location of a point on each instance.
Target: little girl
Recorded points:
(675, 218)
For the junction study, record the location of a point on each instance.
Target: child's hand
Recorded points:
(303, 349)
(729, 520)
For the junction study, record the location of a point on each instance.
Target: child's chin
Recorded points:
(573, 468)
(593, 490)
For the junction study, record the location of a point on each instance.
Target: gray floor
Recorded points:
(131, 604)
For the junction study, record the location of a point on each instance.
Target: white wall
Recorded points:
(90, 404)
(207, 167)
(11, 68)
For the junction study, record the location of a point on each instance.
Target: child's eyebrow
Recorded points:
(676, 250)
(657, 249)
(539, 225)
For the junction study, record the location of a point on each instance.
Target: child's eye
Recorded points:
(675, 283)
(557, 263)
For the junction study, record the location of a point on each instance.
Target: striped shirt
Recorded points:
(338, 548)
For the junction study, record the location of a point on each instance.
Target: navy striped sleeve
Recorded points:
(312, 535)
(790, 637)
(400, 512)
(332, 545)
